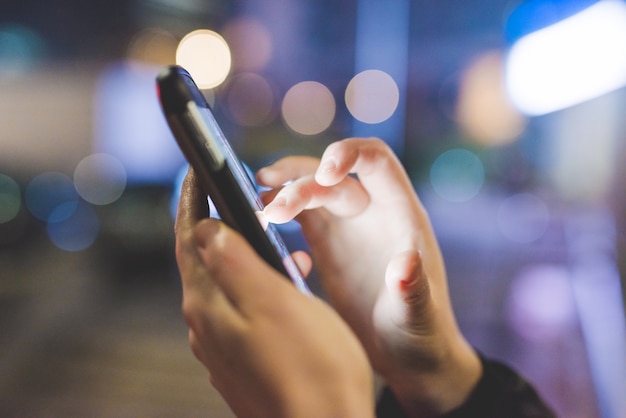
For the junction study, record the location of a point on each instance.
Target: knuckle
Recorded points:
(190, 311)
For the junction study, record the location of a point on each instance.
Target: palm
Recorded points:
(354, 261)
(353, 243)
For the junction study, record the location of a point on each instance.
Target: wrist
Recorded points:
(336, 399)
(441, 387)
(330, 407)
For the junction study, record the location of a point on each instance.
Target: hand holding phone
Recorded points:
(220, 172)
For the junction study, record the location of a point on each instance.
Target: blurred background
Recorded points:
(508, 116)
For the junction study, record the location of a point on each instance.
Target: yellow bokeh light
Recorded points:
(372, 96)
(206, 55)
(484, 111)
(309, 108)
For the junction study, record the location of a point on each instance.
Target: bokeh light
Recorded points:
(250, 43)
(523, 218)
(10, 199)
(100, 179)
(571, 61)
(206, 55)
(129, 124)
(250, 99)
(76, 232)
(457, 175)
(484, 111)
(308, 108)
(372, 96)
(51, 196)
(532, 15)
(541, 304)
(153, 46)
(20, 48)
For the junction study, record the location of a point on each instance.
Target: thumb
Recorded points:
(409, 290)
(232, 264)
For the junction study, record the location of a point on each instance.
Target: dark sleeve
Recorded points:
(500, 392)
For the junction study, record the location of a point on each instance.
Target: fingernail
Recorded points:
(270, 208)
(279, 201)
(260, 172)
(404, 283)
(417, 273)
(328, 166)
(262, 175)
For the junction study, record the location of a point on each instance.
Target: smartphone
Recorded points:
(220, 172)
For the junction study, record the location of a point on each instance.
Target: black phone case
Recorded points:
(176, 89)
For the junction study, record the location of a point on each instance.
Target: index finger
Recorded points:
(372, 160)
(243, 277)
